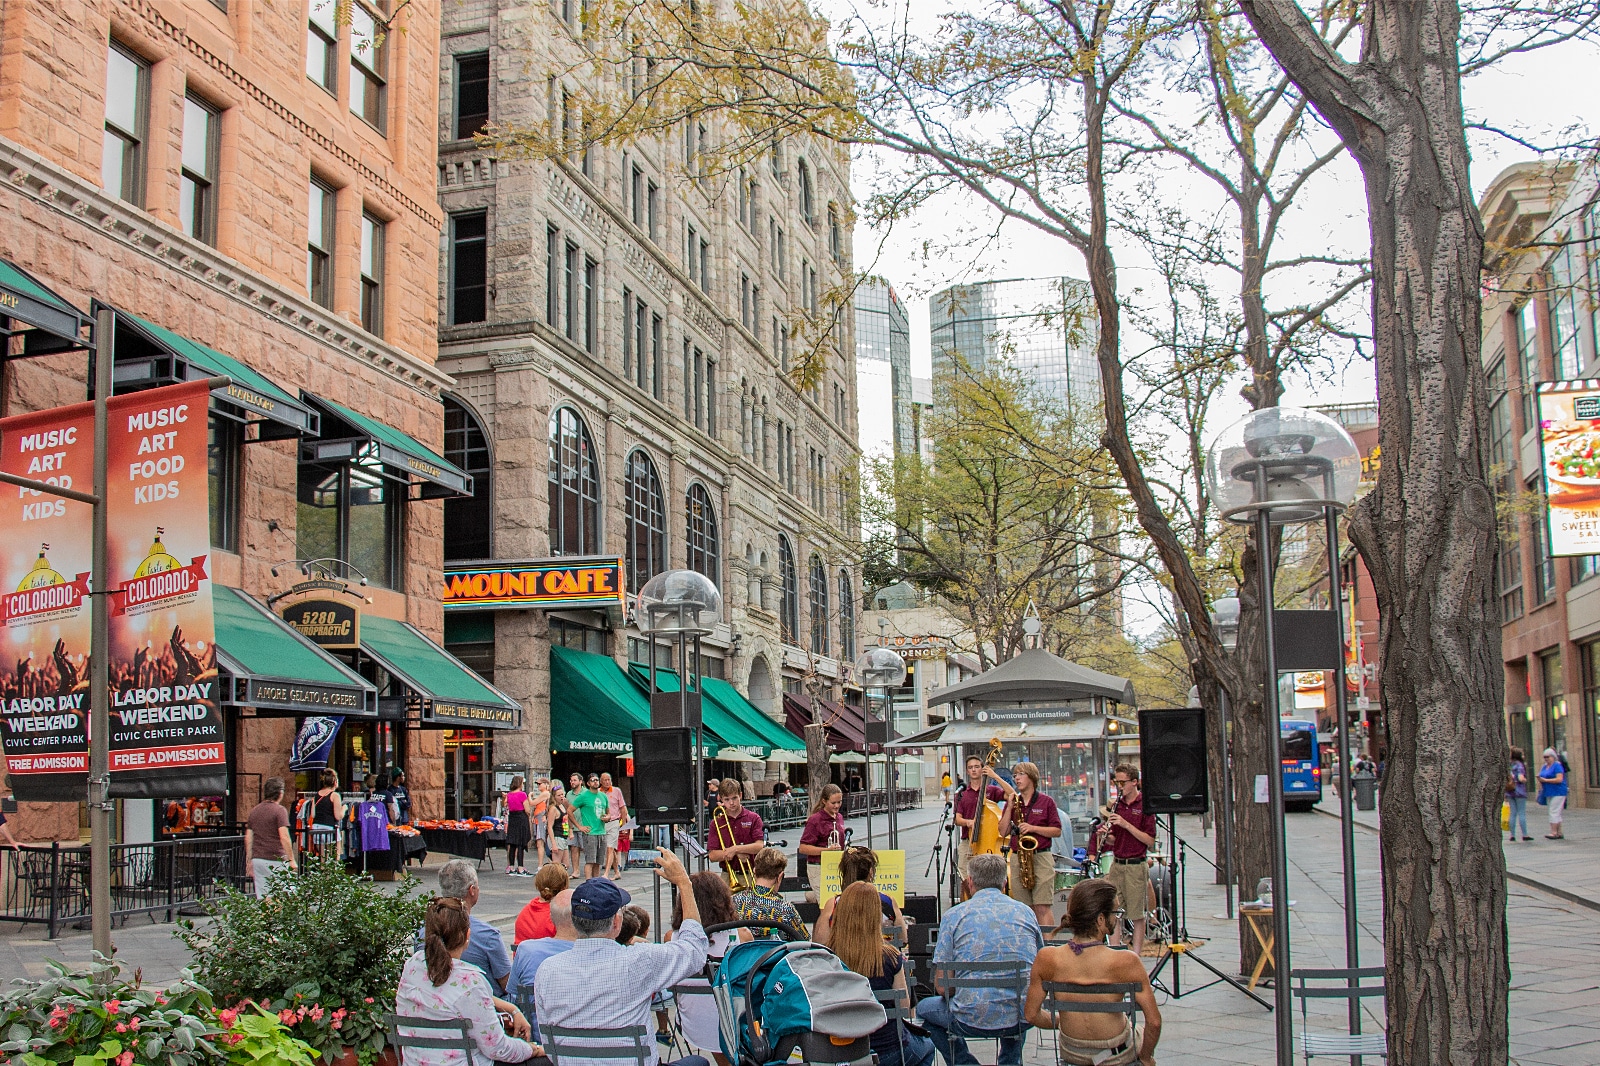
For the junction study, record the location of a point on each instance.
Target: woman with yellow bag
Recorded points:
(1517, 795)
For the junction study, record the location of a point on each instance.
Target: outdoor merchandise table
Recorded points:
(402, 847)
(466, 843)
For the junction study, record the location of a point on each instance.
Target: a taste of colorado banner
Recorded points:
(166, 726)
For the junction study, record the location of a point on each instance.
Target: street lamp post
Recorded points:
(1225, 620)
(882, 669)
(681, 605)
(1275, 467)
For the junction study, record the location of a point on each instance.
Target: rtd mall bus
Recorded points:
(1302, 764)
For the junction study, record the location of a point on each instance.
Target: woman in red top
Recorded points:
(534, 921)
(824, 831)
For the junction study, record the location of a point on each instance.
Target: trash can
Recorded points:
(1366, 791)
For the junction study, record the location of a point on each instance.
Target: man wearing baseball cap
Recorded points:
(601, 984)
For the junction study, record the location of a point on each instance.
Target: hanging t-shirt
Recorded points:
(372, 822)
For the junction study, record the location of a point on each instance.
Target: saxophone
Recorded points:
(1027, 844)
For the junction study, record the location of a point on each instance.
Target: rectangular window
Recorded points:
(1544, 567)
(688, 381)
(1528, 355)
(1554, 696)
(367, 63)
(591, 305)
(705, 266)
(699, 389)
(319, 243)
(1566, 275)
(744, 300)
(657, 388)
(755, 310)
(711, 397)
(469, 268)
(372, 235)
(637, 188)
(627, 335)
(472, 95)
(351, 511)
(197, 199)
(224, 443)
(1590, 654)
(571, 288)
(552, 277)
(322, 36)
(127, 117)
(744, 201)
(691, 245)
(655, 212)
(783, 348)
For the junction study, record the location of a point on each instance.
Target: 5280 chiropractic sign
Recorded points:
(166, 727)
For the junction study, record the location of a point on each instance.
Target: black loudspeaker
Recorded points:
(663, 776)
(1172, 751)
(924, 910)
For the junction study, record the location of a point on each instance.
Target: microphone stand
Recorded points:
(934, 865)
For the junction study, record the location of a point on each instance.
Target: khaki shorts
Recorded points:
(613, 833)
(1044, 879)
(1132, 880)
(963, 854)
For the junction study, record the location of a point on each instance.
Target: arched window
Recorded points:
(789, 608)
(847, 617)
(704, 551)
(817, 602)
(574, 486)
(468, 520)
(807, 201)
(647, 521)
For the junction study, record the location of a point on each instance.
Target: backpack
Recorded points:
(789, 990)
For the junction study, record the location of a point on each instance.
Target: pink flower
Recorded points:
(340, 1013)
(161, 1001)
(134, 1025)
(226, 1018)
(113, 1005)
(121, 1028)
(338, 1023)
(286, 1016)
(316, 1013)
(369, 999)
(300, 1014)
(125, 1059)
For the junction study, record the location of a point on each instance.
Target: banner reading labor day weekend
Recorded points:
(167, 735)
(1569, 437)
(45, 604)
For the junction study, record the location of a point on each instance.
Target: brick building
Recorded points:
(251, 186)
(1542, 231)
(620, 326)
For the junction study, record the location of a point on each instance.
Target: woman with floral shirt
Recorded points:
(434, 984)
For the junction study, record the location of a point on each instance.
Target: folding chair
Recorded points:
(629, 1042)
(1057, 1007)
(460, 1041)
(1009, 975)
(1342, 984)
(897, 1009)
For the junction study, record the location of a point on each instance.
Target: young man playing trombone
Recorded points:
(734, 835)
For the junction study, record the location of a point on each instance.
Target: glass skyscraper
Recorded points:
(1043, 327)
(883, 369)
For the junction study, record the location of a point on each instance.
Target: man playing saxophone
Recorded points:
(1033, 822)
(734, 834)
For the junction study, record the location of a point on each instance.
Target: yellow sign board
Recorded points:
(891, 876)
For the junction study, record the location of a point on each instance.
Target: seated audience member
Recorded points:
(487, 951)
(857, 864)
(436, 984)
(763, 903)
(601, 984)
(858, 941)
(635, 925)
(532, 954)
(988, 927)
(534, 920)
(697, 1013)
(1095, 1039)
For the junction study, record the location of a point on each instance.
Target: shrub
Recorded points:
(323, 952)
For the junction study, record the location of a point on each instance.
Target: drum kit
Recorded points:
(1159, 903)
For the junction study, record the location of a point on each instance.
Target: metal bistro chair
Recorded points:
(629, 1042)
(1009, 975)
(919, 958)
(1057, 1007)
(460, 1040)
(896, 1009)
(1343, 984)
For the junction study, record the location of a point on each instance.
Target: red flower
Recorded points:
(286, 1016)
(316, 1013)
(226, 1018)
(338, 1023)
(125, 1059)
(113, 1005)
(121, 1028)
(369, 999)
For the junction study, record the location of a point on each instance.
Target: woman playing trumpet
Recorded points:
(734, 835)
(1032, 821)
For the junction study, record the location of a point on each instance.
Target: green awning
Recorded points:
(276, 671)
(57, 325)
(593, 705)
(394, 449)
(718, 711)
(452, 694)
(732, 700)
(148, 355)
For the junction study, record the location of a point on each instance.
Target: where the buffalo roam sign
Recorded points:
(166, 727)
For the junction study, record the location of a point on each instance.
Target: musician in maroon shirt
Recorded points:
(1031, 813)
(1128, 834)
(735, 840)
(967, 805)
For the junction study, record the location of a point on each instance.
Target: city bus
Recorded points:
(1302, 764)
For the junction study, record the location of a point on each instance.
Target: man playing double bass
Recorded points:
(967, 804)
(1032, 814)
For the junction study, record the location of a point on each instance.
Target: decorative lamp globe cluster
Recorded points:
(678, 603)
(1287, 461)
(880, 668)
(1225, 620)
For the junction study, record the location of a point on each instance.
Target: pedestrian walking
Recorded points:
(1517, 794)
(1553, 792)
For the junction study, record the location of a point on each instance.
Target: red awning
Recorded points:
(847, 729)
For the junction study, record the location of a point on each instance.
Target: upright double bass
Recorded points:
(986, 818)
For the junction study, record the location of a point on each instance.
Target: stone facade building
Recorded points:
(259, 180)
(619, 327)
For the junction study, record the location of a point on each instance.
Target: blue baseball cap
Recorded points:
(598, 898)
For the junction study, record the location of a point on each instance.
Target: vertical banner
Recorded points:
(1569, 438)
(44, 603)
(167, 736)
(313, 744)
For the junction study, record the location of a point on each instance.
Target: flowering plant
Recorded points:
(328, 1023)
(96, 1017)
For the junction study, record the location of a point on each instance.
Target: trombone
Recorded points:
(741, 875)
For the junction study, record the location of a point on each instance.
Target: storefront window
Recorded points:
(224, 442)
(1555, 701)
(578, 637)
(468, 784)
(351, 512)
(1590, 654)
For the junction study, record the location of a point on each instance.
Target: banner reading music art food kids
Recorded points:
(166, 725)
(44, 603)
(1569, 437)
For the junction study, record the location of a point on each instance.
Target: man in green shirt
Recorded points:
(589, 805)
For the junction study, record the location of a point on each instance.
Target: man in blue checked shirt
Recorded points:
(989, 927)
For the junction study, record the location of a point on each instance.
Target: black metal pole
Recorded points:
(1347, 825)
(1228, 876)
(1283, 1009)
(99, 654)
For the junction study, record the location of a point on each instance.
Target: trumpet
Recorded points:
(740, 873)
(1027, 844)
